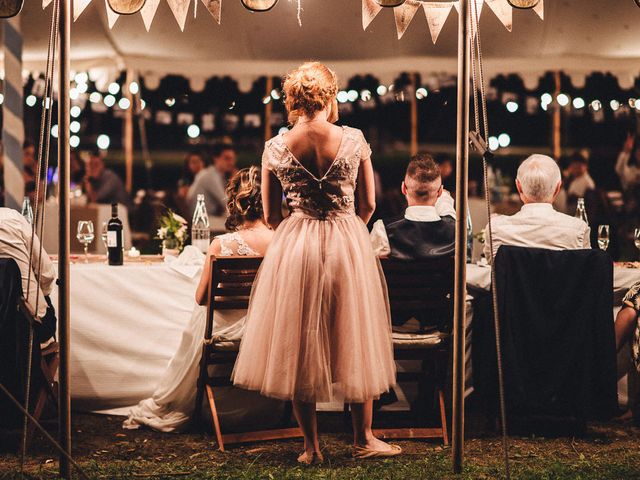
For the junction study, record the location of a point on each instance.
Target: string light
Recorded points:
(193, 131)
(74, 141)
(493, 143)
(512, 107)
(170, 102)
(596, 105)
(1, 98)
(546, 98)
(266, 99)
(73, 93)
(124, 103)
(95, 97)
(103, 141)
(134, 88)
(113, 88)
(81, 77)
(31, 100)
(109, 100)
(75, 111)
(504, 140)
(365, 95)
(74, 126)
(343, 96)
(275, 94)
(82, 87)
(614, 104)
(54, 131)
(421, 93)
(381, 90)
(563, 99)
(578, 103)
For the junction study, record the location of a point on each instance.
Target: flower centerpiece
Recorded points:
(172, 233)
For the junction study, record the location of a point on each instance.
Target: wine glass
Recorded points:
(85, 236)
(636, 238)
(603, 237)
(103, 235)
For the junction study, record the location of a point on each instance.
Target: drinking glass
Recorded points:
(603, 237)
(636, 238)
(85, 236)
(103, 234)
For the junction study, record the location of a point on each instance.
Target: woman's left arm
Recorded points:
(203, 287)
(366, 190)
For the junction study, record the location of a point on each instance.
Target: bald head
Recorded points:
(539, 179)
(422, 183)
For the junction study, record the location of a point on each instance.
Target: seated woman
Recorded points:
(170, 407)
(627, 329)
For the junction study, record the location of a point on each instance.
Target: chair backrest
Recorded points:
(422, 289)
(230, 285)
(557, 329)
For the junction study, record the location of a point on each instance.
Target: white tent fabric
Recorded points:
(577, 36)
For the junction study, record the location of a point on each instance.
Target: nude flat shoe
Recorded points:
(362, 453)
(311, 459)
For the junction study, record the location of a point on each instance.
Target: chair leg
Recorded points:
(37, 412)
(214, 415)
(443, 417)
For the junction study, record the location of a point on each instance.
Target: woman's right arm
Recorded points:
(271, 197)
(203, 287)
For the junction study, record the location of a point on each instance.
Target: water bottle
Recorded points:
(200, 226)
(581, 212)
(27, 211)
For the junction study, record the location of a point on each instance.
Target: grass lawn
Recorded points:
(105, 451)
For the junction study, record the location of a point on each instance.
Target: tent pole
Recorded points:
(460, 288)
(267, 109)
(557, 119)
(128, 132)
(414, 114)
(64, 403)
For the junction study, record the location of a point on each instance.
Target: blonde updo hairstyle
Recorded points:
(244, 203)
(309, 89)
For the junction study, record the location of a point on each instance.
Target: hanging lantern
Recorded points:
(10, 8)
(390, 3)
(259, 5)
(524, 4)
(126, 7)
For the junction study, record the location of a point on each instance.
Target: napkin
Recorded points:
(188, 263)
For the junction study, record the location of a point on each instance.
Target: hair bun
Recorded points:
(244, 201)
(308, 89)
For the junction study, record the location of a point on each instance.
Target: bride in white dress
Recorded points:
(170, 407)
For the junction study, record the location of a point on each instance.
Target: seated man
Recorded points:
(103, 185)
(15, 242)
(428, 227)
(537, 224)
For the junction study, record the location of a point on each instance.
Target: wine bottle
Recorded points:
(115, 241)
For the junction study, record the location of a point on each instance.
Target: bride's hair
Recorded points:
(310, 88)
(243, 198)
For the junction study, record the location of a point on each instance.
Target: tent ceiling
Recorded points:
(577, 36)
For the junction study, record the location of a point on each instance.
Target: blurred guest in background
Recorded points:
(212, 181)
(29, 161)
(446, 173)
(103, 185)
(628, 164)
(579, 181)
(627, 328)
(194, 163)
(537, 224)
(428, 227)
(78, 169)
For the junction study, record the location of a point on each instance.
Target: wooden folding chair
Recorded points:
(48, 387)
(423, 290)
(229, 289)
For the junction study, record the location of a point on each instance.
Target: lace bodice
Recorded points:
(329, 196)
(233, 244)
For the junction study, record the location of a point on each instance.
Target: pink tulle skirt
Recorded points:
(318, 326)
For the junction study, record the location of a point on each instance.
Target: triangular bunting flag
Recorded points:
(503, 11)
(148, 11)
(437, 14)
(46, 3)
(112, 16)
(369, 11)
(79, 6)
(180, 9)
(214, 7)
(539, 9)
(404, 14)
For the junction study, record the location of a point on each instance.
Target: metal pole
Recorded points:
(128, 132)
(267, 109)
(460, 288)
(557, 119)
(64, 402)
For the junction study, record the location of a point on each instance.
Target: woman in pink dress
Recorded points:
(318, 325)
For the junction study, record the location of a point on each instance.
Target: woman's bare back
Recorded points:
(315, 145)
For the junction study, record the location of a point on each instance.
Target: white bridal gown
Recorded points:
(170, 407)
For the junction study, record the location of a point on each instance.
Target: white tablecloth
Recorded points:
(126, 324)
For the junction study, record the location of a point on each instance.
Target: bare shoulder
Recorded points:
(214, 247)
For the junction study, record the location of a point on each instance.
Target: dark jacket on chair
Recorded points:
(557, 337)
